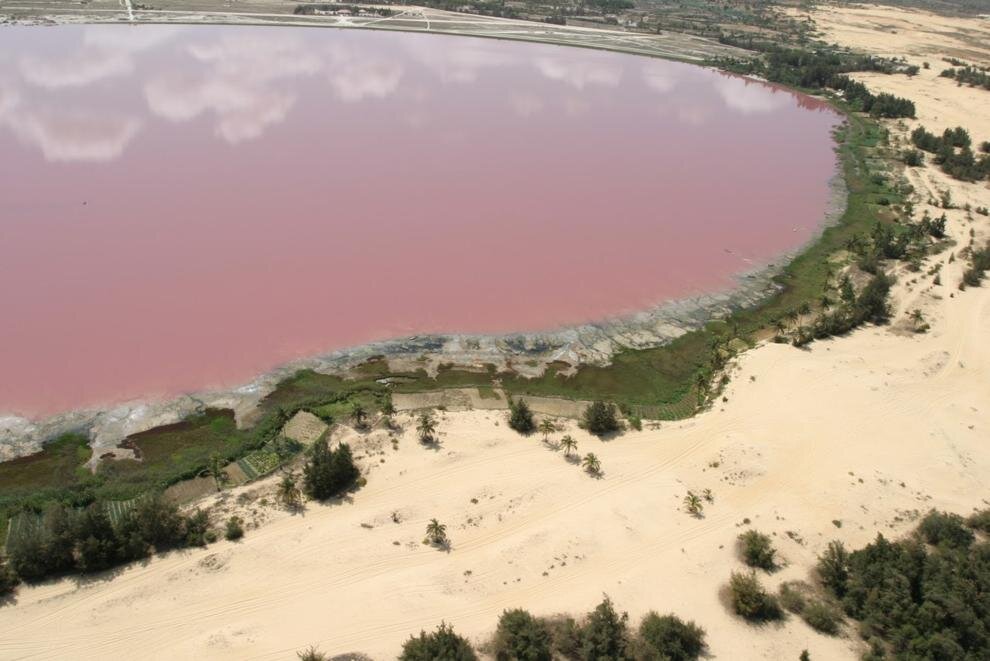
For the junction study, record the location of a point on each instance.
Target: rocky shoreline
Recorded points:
(593, 343)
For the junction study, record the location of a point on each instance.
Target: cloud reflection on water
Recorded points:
(246, 82)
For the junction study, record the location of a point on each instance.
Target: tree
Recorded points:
(600, 418)
(215, 470)
(520, 636)
(940, 528)
(569, 445)
(750, 600)
(520, 416)
(386, 406)
(693, 504)
(591, 464)
(8, 579)
(670, 638)
(329, 473)
(833, 568)
(547, 427)
(358, 414)
(427, 427)
(604, 635)
(288, 491)
(443, 644)
(757, 550)
(436, 532)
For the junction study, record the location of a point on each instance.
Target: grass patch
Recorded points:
(61, 463)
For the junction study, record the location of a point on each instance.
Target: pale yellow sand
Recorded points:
(870, 430)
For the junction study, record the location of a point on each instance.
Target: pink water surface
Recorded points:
(184, 208)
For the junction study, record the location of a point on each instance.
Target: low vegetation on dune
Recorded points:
(603, 634)
(66, 540)
(924, 597)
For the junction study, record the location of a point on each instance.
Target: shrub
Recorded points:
(913, 157)
(600, 418)
(670, 638)
(822, 617)
(235, 528)
(8, 579)
(328, 472)
(441, 644)
(751, 601)
(566, 636)
(757, 550)
(980, 521)
(521, 636)
(520, 416)
(197, 525)
(940, 528)
(604, 635)
(833, 568)
(792, 597)
(311, 654)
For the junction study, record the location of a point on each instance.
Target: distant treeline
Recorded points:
(953, 153)
(816, 70)
(308, 10)
(969, 76)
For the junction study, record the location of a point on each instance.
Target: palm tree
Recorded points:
(591, 464)
(546, 428)
(701, 383)
(358, 414)
(215, 470)
(693, 504)
(288, 491)
(917, 316)
(569, 445)
(436, 532)
(779, 324)
(427, 427)
(387, 408)
(708, 495)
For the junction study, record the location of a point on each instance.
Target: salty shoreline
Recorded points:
(591, 343)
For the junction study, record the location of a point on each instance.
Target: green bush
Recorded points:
(604, 634)
(441, 645)
(822, 617)
(8, 579)
(792, 597)
(751, 601)
(235, 529)
(833, 568)
(670, 638)
(521, 636)
(980, 521)
(757, 550)
(197, 525)
(949, 529)
(328, 472)
(520, 416)
(600, 418)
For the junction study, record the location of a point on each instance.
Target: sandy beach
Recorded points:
(844, 439)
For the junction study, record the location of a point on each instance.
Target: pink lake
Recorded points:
(187, 207)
